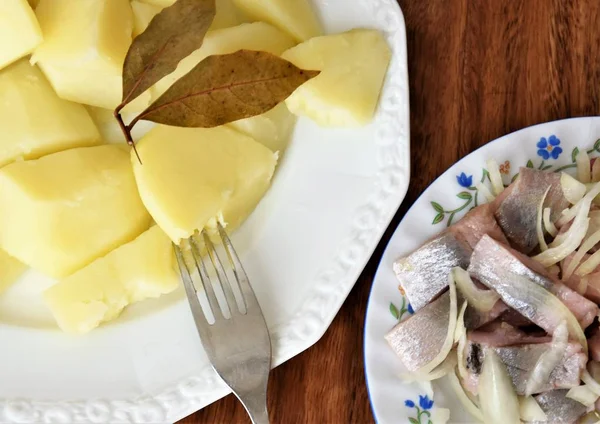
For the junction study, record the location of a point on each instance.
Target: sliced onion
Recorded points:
(440, 415)
(573, 190)
(582, 160)
(449, 341)
(499, 402)
(485, 191)
(583, 285)
(464, 398)
(495, 177)
(590, 382)
(583, 394)
(460, 323)
(588, 244)
(548, 224)
(530, 410)
(482, 300)
(548, 360)
(574, 236)
(589, 265)
(569, 214)
(539, 222)
(596, 171)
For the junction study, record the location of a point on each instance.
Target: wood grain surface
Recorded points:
(478, 69)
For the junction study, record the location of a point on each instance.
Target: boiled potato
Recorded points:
(226, 13)
(10, 270)
(34, 121)
(85, 44)
(141, 269)
(272, 129)
(60, 212)
(142, 15)
(20, 33)
(191, 176)
(296, 17)
(255, 36)
(353, 67)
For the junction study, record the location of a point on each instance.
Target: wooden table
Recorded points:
(478, 69)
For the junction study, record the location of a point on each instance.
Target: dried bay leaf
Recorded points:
(172, 35)
(225, 88)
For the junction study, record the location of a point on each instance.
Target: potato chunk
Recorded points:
(20, 33)
(353, 67)
(60, 212)
(296, 17)
(191, 176)
(34, 121)
(141, 269)
(85, 44)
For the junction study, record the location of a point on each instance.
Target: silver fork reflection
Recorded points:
(237, 342)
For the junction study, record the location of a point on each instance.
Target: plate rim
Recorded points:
(417, 201)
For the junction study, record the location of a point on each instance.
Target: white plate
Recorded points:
(304, 247)
(451, 196)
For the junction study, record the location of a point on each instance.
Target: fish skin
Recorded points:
(423, 274)
(498, 266)
(522, 358)
(517, 209)
(559, 409)
(419, 338)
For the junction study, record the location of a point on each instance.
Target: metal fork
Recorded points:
(239, 346)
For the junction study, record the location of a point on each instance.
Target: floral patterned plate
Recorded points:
(551, 146)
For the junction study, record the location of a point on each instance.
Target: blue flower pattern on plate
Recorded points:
(422, 410)
(464, 180)
(549, 148)
(410, 309)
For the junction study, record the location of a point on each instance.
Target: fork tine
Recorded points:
(221, 275)
(206, 283)
(243, 282)
(190, 291)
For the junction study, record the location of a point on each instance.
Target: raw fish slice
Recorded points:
(517, 209)
(559, 409)
(499, 334)
(521, 359)
(424, 273)
(502, 269)
(418, 339)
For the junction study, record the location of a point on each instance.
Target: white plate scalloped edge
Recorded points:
(392, 400)
(188, 393)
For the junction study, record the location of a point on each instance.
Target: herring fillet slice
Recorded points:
(517, 212)
(521, 288)
(423, 273)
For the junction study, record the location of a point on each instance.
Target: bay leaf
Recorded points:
(225, 88)
(172, 35)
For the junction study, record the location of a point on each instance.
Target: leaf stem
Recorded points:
(126, 130)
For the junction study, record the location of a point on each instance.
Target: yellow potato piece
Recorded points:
(296, 17)
(226, 13)
(34, 121)
(353, 67)
(141, 269)
(10, 270)
(254, 36)
(191, 176)
(272, 129)
(60, 212)
(20, 33)
(142, 15)
(85, 43)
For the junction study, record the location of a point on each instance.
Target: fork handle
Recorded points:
(255, 403)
